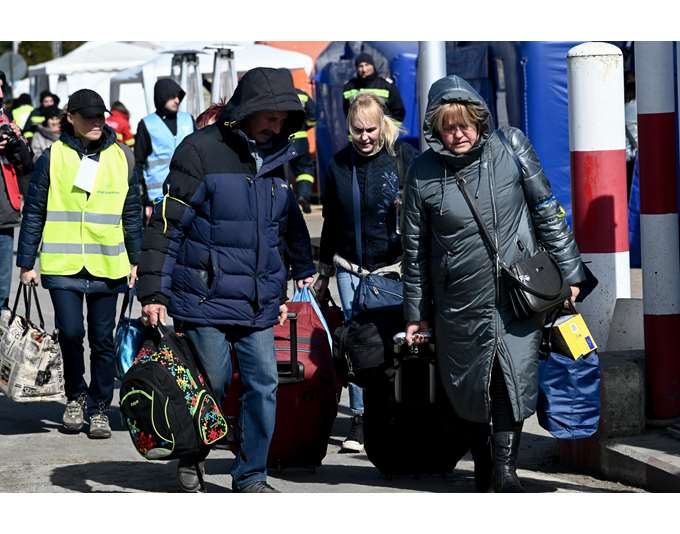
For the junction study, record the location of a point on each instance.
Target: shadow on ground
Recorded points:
(124, 477)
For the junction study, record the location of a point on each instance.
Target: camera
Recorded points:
(13, 140)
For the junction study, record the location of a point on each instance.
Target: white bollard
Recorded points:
(598, 177)
(657, 152)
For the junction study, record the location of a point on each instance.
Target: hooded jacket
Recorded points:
(213, 249)
(35, 204)
(450, 277)
(163, 91)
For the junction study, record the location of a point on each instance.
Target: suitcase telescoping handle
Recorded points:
(291, 371)
(292, 318)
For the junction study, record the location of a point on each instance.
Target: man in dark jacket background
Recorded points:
(15, 160)
(158, 135)
(212, 256)
(303, 165)
(367, 80)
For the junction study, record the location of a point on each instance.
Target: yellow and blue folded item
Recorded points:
(571, 337)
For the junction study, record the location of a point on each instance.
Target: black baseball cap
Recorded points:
(87, 103)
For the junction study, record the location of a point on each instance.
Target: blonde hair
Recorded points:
(369, 107)
(459, 112)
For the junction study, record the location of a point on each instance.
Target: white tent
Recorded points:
(135, 84)
(88, 66)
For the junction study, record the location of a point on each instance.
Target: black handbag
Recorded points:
(363, 347)
(535, 284)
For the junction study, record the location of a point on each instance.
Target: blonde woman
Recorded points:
(379, 163)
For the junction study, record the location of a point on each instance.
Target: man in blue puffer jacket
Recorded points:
(212, 254)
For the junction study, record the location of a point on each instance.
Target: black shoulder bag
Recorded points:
(536, 283)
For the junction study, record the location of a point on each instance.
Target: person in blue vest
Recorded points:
(158, 134)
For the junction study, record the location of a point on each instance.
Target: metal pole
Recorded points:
(598, 175)
(657, 146)
(224, 74)
(431, 67)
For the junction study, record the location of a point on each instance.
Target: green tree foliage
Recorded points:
(35, 52)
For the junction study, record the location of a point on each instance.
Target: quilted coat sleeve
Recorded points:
(547, 213)
(169, 223)
(34, 213)
(415, 233)
(132, 211)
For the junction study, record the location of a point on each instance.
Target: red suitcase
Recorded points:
(307, 397)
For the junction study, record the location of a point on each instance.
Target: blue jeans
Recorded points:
(347, 285)
(101, 320)
(259, 379)
(6, 263)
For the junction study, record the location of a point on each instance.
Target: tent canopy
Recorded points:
(247, 55)
(95, 56)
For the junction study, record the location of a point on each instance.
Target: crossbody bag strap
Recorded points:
(356, 208)
(478, 218)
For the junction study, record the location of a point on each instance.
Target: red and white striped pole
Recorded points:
(659, 225)
(598, 177)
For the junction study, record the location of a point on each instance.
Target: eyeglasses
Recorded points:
(465, 128)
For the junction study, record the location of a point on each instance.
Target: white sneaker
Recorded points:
(355, 439)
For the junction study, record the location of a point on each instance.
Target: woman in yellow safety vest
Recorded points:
(82, 215)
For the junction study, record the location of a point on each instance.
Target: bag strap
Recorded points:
(356, 209)
(16, 300)
(28, 302)
(34, 291)
(487, 238)
(128, 300)
(478, 218)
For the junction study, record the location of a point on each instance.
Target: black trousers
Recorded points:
(101, 320)
(502, 418)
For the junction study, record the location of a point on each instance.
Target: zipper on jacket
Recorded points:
(497, 277)
(271, 211)
(251, 183)
(492, 184)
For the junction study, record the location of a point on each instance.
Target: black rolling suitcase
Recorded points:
(410, 427)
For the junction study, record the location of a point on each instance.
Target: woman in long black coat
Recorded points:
(488, 358)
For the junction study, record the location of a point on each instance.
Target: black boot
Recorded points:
(506, 447)
(480, 448)
(483, 467)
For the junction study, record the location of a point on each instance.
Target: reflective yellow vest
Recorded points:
(80, 231)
